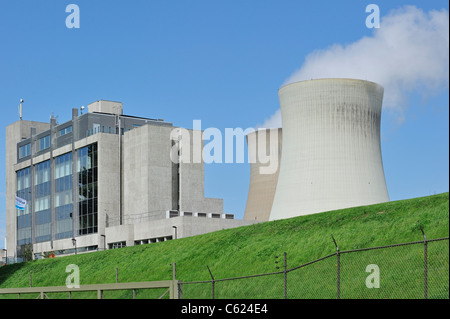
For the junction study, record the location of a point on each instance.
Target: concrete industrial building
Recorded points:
(262, 186)
(102, 180)
(331, 155)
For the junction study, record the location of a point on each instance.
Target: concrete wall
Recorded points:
(146, 232)
(331, 155)
(150, 177)
(186, 227)
(65, 244)
(147, 172)
(108, 180)
(192, 181)
(200, 225)
(119, 233)
(103, 106)
(262, 186)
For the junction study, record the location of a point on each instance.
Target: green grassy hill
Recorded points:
(252, 249)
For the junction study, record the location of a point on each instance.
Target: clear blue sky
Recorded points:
(218, 61)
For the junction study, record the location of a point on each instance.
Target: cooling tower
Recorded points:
(262, 182)
(331, 156)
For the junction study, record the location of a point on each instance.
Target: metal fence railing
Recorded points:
(167, 288)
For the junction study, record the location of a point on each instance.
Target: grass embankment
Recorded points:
(252, 250)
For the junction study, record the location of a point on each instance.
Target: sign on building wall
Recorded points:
(20, 203)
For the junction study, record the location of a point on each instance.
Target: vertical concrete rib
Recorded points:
(52, 183)
(75, 136)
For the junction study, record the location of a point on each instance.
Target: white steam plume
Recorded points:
(409, 52)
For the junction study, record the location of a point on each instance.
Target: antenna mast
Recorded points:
(20, 109)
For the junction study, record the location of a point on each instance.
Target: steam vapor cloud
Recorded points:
(409, 52)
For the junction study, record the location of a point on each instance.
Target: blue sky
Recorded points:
(218, 61)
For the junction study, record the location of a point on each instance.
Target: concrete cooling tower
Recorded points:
(262, 183)
(331, 156)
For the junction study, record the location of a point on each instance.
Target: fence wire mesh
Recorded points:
(261, 287)
(438, 269)
(414, 270)
(386, 273)
(316, 280)
(195, 290)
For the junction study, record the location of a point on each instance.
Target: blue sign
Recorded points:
(20, 203)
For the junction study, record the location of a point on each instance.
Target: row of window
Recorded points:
(87, 168)
(87, 222)
(42, 144)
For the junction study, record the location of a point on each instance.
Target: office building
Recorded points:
(101, 180)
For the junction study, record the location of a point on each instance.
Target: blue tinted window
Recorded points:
(65, 131)
(87, 190)
(24, 151)
(63, 196)
(44, 143)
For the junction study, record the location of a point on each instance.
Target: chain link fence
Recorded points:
(414, 270)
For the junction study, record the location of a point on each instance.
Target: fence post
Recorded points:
(284, 272)
(179, 283)
(338, 257)
(285, 275)
(174, 290)
(213, 282)
(174, 271)
(425, 252)
(180, 289)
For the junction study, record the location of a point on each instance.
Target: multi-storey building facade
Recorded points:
(101, 180)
